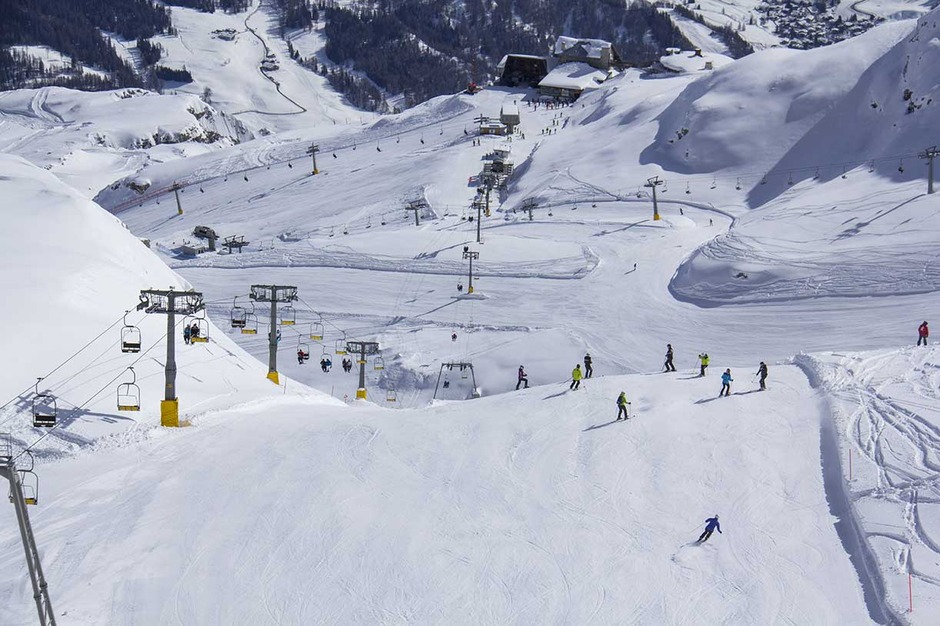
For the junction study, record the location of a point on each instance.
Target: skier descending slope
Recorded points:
(588, 365)
(762, 372)
(711, 525)
(576, 377)
(522, 378)
(622, 406)
(922, 333)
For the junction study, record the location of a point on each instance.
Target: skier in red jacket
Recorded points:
(922, 333)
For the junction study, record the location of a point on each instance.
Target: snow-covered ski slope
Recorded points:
(531, 507)
(289, 97)
(90, 140)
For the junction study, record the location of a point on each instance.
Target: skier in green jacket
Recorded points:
(622, 406)
(576, 377)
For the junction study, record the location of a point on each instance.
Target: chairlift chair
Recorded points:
(390, 395)
(45, 410)
(238, 315)
(378, 364)
(288, 315)
(203, 325)
(316, 331)
(251, 325)
(128, 394)
(130, 336)
(341, 345)
(29, 483)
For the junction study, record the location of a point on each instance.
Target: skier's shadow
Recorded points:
(705, 400)
(745, 393)
(596, 426)
(690, 377)
(556, 395)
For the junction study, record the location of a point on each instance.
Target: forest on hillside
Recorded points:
(417, 48)
(74, 28)
(425, 48)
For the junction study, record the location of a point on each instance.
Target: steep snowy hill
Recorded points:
(748, 114)
(71, 271)
(232, 67)
(896, 100)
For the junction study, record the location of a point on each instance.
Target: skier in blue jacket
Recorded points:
(711, 525)
(726, 381)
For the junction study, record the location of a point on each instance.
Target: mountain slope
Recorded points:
(74, 271)
(529, 508)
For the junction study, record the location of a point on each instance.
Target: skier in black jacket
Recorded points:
(762, 372)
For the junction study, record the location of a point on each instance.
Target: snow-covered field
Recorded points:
(283, 505)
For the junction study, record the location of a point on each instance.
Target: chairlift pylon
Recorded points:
(45, 410)
(130, 336)
(128, 394)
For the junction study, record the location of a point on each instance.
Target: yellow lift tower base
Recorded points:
(360, 394)
(170, 413)
(273, 377)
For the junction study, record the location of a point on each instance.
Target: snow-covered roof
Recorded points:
(574, 75)
(687, 62)
(593, 48)
(510, 108)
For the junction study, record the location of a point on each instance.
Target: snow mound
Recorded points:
(90, 139)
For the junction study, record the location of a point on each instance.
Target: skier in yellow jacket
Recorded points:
(576, 377)
(703, 358)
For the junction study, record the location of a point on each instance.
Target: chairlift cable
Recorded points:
(63, 363)
(96, 394)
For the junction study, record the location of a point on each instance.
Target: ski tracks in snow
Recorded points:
(887, 409)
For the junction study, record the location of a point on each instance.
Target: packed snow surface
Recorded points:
(282, 505)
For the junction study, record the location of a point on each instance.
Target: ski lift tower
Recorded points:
(417, 206)
(471, 255)
(312, 151)
(464, 368)
(273, 294)
(653, 183)
(170, 303)
(364, 348)
(15, 476)
(176, 191)
(930, 154)
(529, 205)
